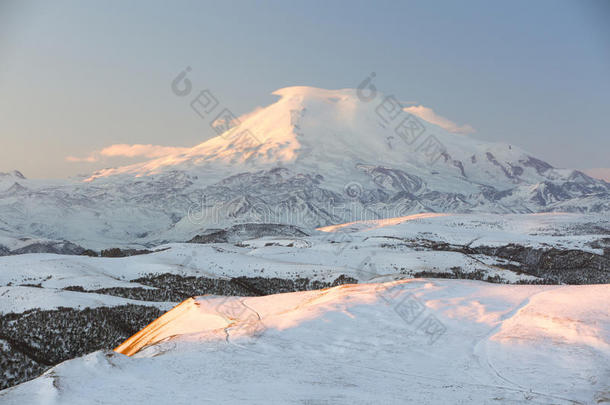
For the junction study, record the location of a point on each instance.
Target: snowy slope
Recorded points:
(112, 298)
(315, 157)
(560, 230)
(364, 344)
(335, 134)
(365, 251)
(330, 131)
(20, 299)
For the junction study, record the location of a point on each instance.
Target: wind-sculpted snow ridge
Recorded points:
(313, 158)
(418, 341)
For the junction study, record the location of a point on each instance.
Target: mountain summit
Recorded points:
(316, 129)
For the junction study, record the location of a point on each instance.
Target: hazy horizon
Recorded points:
(533, 75)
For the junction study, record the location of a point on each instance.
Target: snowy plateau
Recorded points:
(325, 250)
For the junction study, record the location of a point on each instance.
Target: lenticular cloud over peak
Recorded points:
(432, 117)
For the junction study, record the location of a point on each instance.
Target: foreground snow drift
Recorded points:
(415, 341)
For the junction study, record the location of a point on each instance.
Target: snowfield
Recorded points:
(367, 251)
(391, 338)
(20, 299)
(425, 341)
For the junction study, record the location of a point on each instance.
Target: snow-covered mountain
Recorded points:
(315, 157)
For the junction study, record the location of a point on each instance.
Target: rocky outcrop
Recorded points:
(62, 248)
(241, 232)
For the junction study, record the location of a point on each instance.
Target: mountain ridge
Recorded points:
(314, 157)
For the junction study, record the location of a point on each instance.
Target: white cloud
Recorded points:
(602, 173)
(88, 159)
(125, 150)
(429, 115)
(149, 151)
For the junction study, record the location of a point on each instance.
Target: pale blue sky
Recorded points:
(76, 76)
